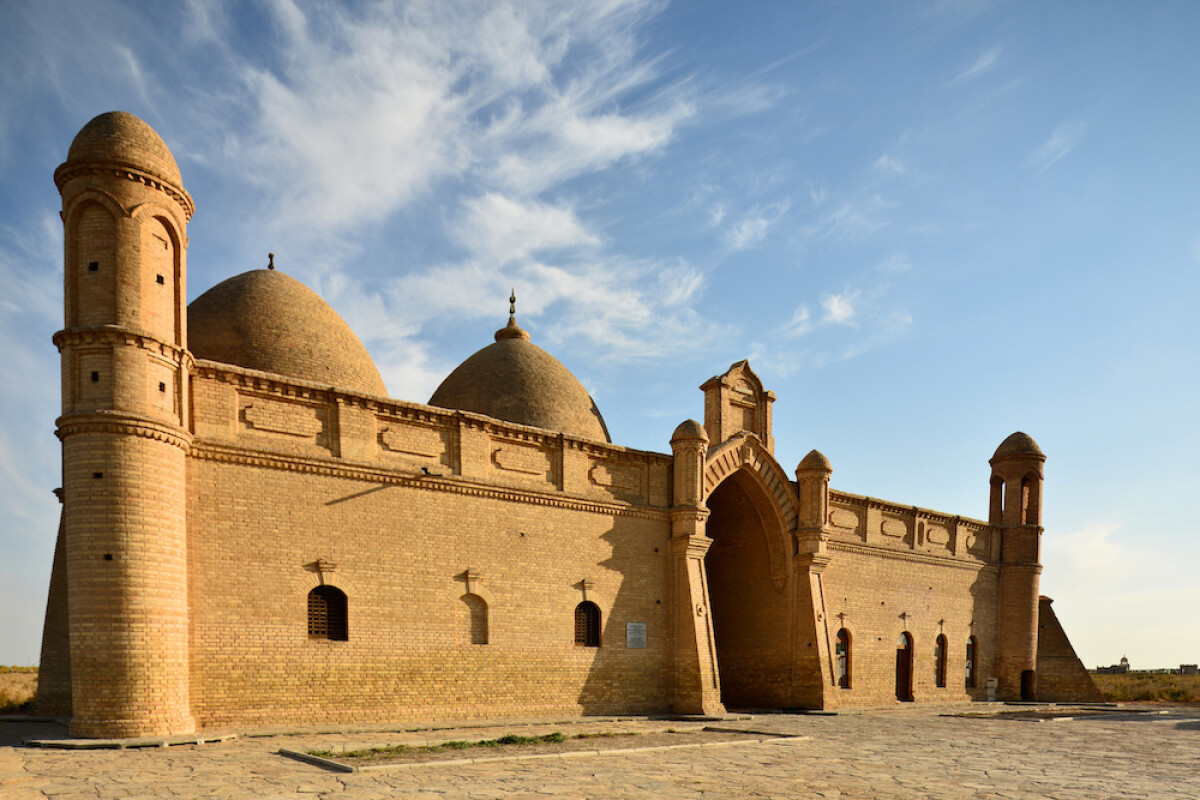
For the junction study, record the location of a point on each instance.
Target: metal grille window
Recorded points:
(327, 618)
(587, 624)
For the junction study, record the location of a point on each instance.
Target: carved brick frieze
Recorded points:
(333, 468)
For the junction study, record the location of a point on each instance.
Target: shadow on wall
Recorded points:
(629, 671)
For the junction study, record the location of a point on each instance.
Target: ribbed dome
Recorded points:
(517, 381)
(1018, 444)
(269, 321)
(122, 138)
(689, 429)
(815, 460)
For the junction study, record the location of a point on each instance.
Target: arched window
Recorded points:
(477, 619)
(996, 511)
(971, 663)
(587, 624)
(1030, 500)
(939, 662)
(904, 667)
(327, 614)
(842, 653)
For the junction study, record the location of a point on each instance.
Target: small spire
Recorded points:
(270, 261)
(512, 330)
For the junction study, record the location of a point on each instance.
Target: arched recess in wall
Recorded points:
(162, 281)
(474, 619)
(92, 260)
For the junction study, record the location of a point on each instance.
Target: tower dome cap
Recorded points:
(1018, 444)
(122, 138)
(815, 460)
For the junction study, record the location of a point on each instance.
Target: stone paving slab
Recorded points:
(903, 753)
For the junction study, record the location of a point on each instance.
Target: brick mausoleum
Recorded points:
(253, 532)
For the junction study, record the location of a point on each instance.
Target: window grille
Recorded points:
(587, 624)
(327, 617)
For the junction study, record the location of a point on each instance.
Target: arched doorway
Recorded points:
(750, 611)
(904, 668)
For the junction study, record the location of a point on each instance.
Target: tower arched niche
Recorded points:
(752, 514)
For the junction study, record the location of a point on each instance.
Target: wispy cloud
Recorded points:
(752, 228)
(800, 323)
(839, 308)
(889, 164)
(1062, 141)
(986, 61)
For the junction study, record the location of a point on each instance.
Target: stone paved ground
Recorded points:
(902, 753)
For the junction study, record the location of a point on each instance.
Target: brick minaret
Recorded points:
(124, 388)
(1016, 513)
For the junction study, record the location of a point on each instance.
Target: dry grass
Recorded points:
(1141, 687)
(17, 688)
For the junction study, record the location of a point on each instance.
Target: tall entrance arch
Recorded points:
(750, 604)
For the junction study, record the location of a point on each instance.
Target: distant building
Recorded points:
(1189, 669)
(1116, 669)
(254, 533)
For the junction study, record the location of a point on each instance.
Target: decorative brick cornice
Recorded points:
(121, 335)
(910, 556)
(122, 422)
(74, 169)
(402, 411)
(847, 499)
(451, 484)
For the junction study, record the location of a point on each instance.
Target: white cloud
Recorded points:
(800, 323)
(889, 164)
(1062, 140)
(986, 61)
(753, 227)
(839, 308)
(897, 262)
(502, 229)
(748, 231)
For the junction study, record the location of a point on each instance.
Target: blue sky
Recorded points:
(927, 225)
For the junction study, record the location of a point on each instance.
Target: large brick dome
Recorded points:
(120, 137)
(517, 381)
(269, 321)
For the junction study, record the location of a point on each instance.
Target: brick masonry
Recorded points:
(204, 501)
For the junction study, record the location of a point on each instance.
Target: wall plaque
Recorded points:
(635, 635)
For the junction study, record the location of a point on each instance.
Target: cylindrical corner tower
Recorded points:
(123, 430)
(1016, 513)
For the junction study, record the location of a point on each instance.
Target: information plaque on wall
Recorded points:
(635, 635)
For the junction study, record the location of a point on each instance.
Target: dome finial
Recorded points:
(270, 261)
(512, 330)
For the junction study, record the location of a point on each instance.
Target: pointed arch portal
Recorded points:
(751, 609)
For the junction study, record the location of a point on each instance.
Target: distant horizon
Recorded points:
(927, 227)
